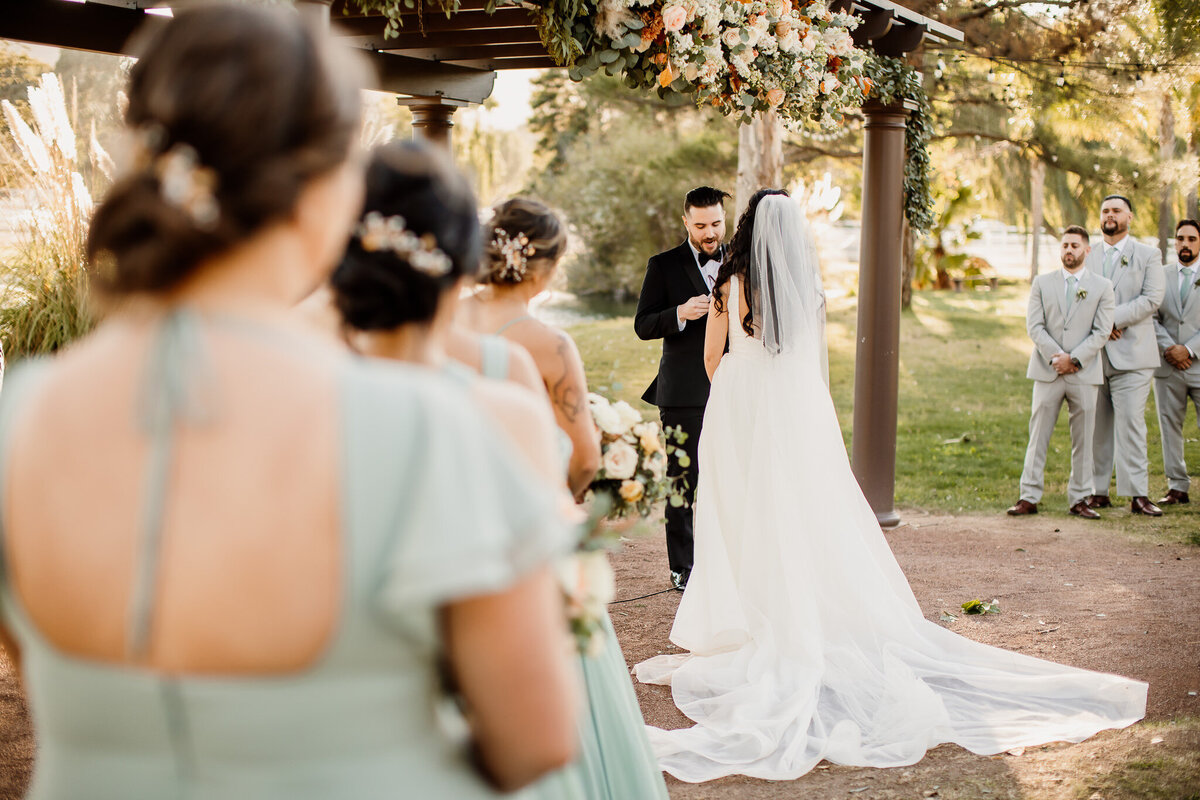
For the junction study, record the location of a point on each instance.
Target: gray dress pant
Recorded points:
(1171, 396)
(1048, 397)
(1121, 432)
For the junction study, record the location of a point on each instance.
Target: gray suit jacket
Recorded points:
(1080, 329)
(1138, 286)
(1176, 325)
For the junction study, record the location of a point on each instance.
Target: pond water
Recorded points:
(563, 309)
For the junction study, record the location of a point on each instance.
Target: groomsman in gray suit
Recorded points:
(1130, 358)
(1069, 318)
(1177, 324)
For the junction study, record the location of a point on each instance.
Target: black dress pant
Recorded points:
(679, 520)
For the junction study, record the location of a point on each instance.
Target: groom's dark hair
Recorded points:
(1121, 197)
(703, 197)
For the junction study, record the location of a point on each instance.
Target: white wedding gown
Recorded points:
(806, 642)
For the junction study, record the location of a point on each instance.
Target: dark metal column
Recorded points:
(877, 361)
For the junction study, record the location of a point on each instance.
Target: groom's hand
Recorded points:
(695, 308)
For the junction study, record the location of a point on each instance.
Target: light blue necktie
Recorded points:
(1072, 282)
(1185, 284)
(1110, 261)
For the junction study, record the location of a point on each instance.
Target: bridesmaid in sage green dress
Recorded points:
(237, 560)
(396, 308)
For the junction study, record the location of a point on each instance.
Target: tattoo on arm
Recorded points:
(566, 397)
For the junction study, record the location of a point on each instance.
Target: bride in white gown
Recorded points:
(806, 642)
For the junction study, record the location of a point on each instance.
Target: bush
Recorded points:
(43, 299)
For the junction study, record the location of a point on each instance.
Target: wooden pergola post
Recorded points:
(432, 118)
(877, 361)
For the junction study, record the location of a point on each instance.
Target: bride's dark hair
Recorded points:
(738, 260)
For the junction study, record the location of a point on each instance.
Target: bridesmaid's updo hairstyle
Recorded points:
(232, 111)
(523, 236)
(418, 237)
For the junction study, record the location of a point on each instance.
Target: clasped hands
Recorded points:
(1178, 356)
(695, 308)
(1062, 364)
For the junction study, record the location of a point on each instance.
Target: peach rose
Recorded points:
(667, 76)
(783, 27)
(674, 17)
(775, 97)
(619, 461)
(632, 491)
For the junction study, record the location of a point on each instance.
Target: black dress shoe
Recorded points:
(1081, 509)
(1099, 501)
(1174, 498)
(679, 580)
(1142, 505)
(1022, 508)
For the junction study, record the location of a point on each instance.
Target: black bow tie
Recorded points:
(704, 257)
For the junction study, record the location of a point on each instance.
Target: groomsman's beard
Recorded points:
(1186, 261)
(1116, 228)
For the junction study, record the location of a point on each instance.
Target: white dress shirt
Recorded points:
(709, 271)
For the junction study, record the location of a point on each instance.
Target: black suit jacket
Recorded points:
(672, 278)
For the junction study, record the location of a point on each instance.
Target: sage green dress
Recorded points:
(434, 509)
(616, 762)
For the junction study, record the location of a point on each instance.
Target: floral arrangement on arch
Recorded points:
(795, 57)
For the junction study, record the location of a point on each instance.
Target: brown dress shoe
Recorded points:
(1082, 509)
(1174, 497)
(1142, 505)
(1022, 508)
(1099, 501)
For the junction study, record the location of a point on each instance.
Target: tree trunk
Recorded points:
(1193, 207)
(760, 157)
(908, 264)
(1037, 180)
(1166, 154)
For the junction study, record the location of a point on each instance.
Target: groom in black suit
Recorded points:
(673, 306)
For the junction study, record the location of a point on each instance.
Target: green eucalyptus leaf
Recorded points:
(608, 56)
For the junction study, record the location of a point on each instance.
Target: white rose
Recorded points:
(587, 580)
(790, 41)
(732, 37)
(808, 43)
(619, 461)
(674, 17)
(629, 416)
(656, 465)
(607, 419)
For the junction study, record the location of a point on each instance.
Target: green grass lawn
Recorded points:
(964, 404)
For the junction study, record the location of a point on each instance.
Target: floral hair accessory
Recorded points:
(378, 233)
(183, 181)
(516, 251)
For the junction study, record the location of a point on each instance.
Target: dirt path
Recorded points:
(1068, 592)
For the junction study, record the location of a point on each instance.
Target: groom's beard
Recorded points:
(708, 246)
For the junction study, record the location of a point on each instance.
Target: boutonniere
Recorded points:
(1081, 294)
(1196, 282)
(1124, 261)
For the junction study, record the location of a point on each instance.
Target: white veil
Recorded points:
(786, 296)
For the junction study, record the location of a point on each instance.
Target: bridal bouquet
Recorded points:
(632, 478)
(633, 460)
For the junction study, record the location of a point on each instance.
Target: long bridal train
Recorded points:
(806, 642)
